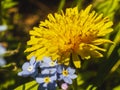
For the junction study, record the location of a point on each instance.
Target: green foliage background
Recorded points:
(21, 15)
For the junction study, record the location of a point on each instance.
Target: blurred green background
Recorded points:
(20, 16)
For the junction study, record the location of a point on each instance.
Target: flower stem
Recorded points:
(61, 5)
(71, 61)
(74, 86)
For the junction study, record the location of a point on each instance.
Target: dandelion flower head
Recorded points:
(71, 33)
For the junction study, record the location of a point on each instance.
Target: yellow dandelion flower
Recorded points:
(72, 32)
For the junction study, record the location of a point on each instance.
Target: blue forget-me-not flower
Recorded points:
(48, 66)
(47, 62)
(48, 73)
(30, 68)
(66, 74)
(46, 82)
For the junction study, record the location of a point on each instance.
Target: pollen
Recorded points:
(30, 68)
(47, 79)
(52, 63)
(65, 73)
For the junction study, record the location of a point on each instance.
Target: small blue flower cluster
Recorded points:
(2, 48)
(48, 73)
(3, 28)
(2, 52)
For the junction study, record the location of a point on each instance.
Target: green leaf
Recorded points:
(105, 68)
(77, 3)
(79, 80)
(10, 66)
(61, 5)
(119, 52)
(108, 7)
(117, 88)
(116, 42)
(90, 87)
(6, 4)
(28, 86)
(9, 5)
